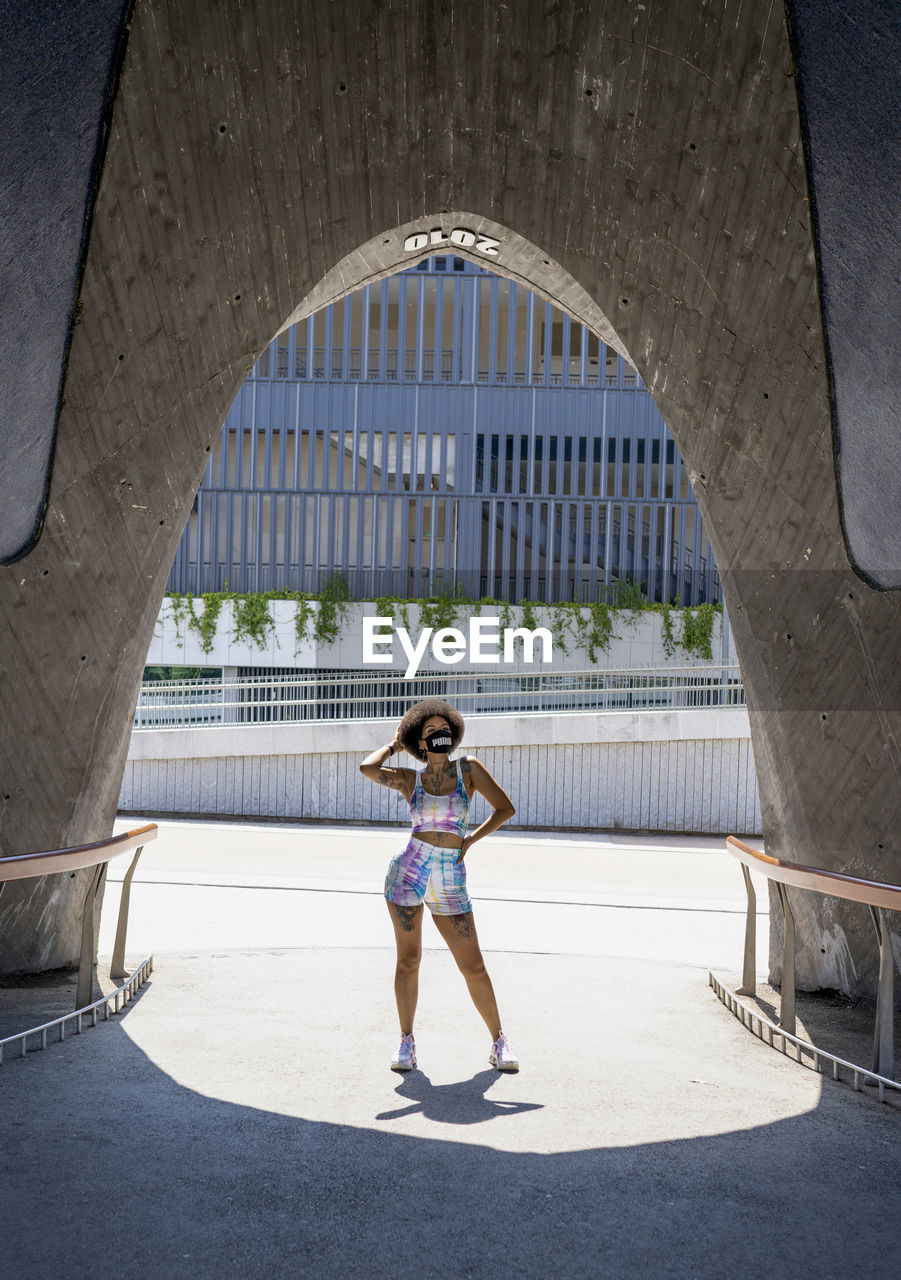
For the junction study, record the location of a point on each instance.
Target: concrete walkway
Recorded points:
(240, 1120)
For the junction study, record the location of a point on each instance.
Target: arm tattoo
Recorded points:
(466, 769)
(391, 779)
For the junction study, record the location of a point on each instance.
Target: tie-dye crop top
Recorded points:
(440, 813)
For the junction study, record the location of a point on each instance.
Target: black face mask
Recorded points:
(439, 742)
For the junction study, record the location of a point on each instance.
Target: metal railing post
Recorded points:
(884, 1034)
(117, 968)
(749, 968)
(88, 939)
(787, 1003)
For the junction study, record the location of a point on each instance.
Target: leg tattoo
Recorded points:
(406, 917)
(463, 924)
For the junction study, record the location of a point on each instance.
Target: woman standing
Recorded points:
(430, 867)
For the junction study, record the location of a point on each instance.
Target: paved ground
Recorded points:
(215, 885)
(239, 1120)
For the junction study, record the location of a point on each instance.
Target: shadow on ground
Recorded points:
(463, 1103)
(117, 1168)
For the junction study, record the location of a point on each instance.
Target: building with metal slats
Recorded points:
(445, 429)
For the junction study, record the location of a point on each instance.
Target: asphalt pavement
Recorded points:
(239, 1119)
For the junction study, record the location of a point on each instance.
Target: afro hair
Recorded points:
(409, 730)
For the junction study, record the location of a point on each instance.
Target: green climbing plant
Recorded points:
(204, 624)
(669, 635)
(395, 608)
(629, 595)
(304, 613)
(322, 616)
(529, 617)
(303, 618)
(439, 611)
(561, 615)
(697, 630)
(596, 629)
(333, 608)
(689, 629)
(251, 618)
(178, 612)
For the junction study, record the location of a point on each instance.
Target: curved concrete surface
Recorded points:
(850, 93)
(654, 154)
(58, 64)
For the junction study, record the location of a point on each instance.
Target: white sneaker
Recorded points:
(502, 1055)
(405, 1058)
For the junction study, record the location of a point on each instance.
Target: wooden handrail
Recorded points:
(873, 893)
(25, 866)
(22, 866)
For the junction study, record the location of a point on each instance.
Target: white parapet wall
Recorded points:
(677, 771)
(637, 641)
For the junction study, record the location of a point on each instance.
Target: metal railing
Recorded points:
(877, 896)
(311, 697)
(125, 993)
(26, 866)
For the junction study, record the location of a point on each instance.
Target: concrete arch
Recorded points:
(506, 252)
(655, 154)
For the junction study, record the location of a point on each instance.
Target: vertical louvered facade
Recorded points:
(445, 429)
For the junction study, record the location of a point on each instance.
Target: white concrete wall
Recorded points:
(639, 643)
(637, 771)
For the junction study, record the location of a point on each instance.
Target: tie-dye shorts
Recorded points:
(423, 872)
